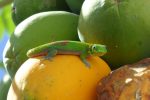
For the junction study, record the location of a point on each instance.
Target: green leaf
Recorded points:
(6, 23)
(7, 19)
(1, 27)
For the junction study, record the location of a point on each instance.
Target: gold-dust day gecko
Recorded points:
(82, 49)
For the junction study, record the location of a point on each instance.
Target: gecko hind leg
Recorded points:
(51, 54)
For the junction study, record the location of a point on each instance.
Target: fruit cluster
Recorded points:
(123, 26)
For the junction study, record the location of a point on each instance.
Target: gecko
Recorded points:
(82, 49)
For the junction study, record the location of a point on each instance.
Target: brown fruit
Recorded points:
(129, 82)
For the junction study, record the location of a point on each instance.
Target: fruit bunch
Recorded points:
(37, 23)
(122, 26)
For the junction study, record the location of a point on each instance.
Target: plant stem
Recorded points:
(5, 2)
(1, 64)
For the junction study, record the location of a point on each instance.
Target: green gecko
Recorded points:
(82, 49)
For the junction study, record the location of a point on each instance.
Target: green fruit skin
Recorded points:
(36, 30)
(4, 86)
(22, 9)
(123, 26)
(75, 5)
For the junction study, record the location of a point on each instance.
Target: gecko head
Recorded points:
(98, 50)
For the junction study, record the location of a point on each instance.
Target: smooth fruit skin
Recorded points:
(36, 30)
(122, 25)
(75, 5)
(22, 9)
(65, 77)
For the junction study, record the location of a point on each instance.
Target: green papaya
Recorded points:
(122, 25)
(22, 9)
(4, 86)
(75, 5)
(36, 30)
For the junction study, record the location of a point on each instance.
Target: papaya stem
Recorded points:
(5, 2)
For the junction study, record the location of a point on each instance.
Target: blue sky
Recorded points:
(3, 41)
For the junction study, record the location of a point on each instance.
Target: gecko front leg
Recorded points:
(83, 59)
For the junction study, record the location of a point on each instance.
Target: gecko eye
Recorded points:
(93, 47)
